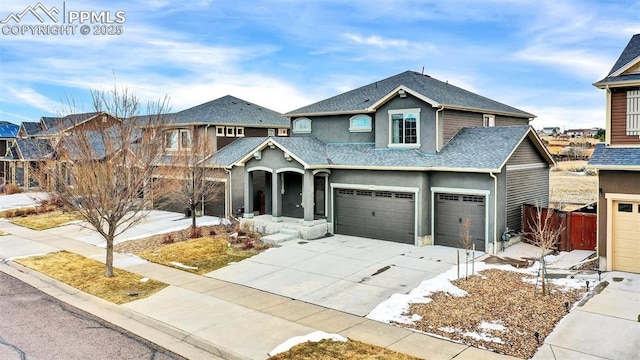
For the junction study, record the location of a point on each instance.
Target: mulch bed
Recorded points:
(513, 309)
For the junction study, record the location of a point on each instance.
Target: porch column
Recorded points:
(307, 197)
(248, 196)
(276, 197)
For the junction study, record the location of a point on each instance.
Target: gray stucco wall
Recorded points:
(427, 122)
(335, 129)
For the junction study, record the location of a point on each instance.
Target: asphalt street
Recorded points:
(34, 325)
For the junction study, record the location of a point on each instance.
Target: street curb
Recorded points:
(173, 332)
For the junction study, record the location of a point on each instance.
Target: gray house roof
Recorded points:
(229, 110)
(32, 149)
(630, 53)
(441, 94)
(615, 157)
(31, 128)
(471, 149)
(54, 125)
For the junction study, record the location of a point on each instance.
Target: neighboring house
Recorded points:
(38, 139)
(618, 164)
(403, 159)
(218, 122)
(8, 135)
(551, 131)
(582, 133)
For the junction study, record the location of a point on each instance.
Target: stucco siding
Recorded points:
(427, 122)
(615, 182)
(335, 129)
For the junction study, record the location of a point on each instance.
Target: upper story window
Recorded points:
(271, 132)
(488, 120)
(404, 127)
(283, 132)
(177, 139)
(360, 123)
(633, 112)
(302, 125)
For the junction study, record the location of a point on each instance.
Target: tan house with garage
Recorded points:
(618, 163)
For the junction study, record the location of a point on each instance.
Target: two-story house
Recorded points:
(407, 159)
(8, 135)
(618, 164)
(210, 127)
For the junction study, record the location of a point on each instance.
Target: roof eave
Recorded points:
(523, 115)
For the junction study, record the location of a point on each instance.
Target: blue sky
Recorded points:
(540, 56)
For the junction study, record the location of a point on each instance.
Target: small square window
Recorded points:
(219, 130)
(625, 208)
(489, 120)
(239, 131)
(271, 132)
(185, 139)
(231, 131)
(283, 132)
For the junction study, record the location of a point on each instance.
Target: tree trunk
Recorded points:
(193, 216)
(109, 262)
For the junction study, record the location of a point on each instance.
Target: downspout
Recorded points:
(437, 132)
(607, 135)
(495, 211)
(229, 196)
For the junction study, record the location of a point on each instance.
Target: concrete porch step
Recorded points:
(293, 232)
(275, 239)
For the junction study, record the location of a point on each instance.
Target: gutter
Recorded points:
(229, 195)
(495, 210)
(438, 112)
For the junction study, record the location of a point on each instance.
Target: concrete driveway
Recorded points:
(341, 272)
(15, 201)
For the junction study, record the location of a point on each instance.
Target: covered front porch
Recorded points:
(289, 228)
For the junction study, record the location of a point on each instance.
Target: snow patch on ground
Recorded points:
(175, 263)
(492, 325)
(313, 337)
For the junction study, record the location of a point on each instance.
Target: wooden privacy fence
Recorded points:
(579, 229)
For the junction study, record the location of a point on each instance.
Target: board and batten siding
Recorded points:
(619, 119)
(527, 182)
(454, 120)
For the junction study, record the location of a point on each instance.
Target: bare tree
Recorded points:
(192, 182)
(466, 240)
(545, 232)
(102, 168)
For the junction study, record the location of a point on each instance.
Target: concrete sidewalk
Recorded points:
(201, 317)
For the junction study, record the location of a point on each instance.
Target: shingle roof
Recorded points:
(8, 130)
(630, 53)
(443, 93)
(481, 147)
(33, 149)
(229, 110)
(615, 156)
(31, 127)
(485, 149)
(55, 125)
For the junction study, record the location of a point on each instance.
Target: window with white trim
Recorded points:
(488, 120)
(404, 127)
(239, 131)
(360, 123)
(302, 125)
(271, 132)
(177, 139)
(283, 132)
(219, 130)
(633, 112)
(231, 131)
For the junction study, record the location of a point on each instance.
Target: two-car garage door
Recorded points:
(381, 215)
(626, 236)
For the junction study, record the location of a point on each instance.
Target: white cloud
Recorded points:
(376, 41)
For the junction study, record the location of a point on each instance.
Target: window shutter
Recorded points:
(633, 112)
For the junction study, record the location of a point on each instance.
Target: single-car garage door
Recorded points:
(626, 238)
(380, 215)
(451, 212)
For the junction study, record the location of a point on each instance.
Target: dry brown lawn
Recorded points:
(88, 275)
(568, 190)
(496, 297)
(46, 220)
(338, 350)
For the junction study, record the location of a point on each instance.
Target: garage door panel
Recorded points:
(451, 212)
(626, 236)
(379, 215)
